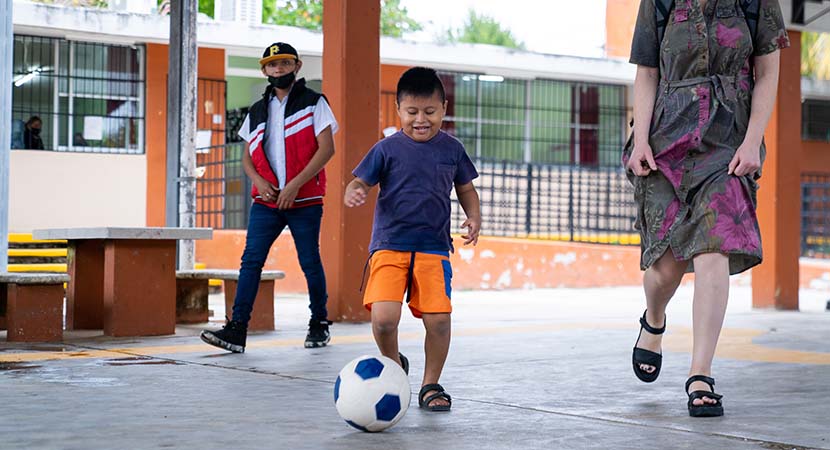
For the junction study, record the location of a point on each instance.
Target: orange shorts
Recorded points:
(426, 276)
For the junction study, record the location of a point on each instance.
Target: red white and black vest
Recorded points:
(300, 143)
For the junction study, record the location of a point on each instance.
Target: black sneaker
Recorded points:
(318, 334)
(231, 337)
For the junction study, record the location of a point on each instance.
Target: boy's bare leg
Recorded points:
(436, 347)
(385, 319)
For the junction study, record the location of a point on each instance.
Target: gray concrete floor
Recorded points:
(527, 369)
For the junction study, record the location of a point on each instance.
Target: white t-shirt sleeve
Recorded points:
(245, 130)
(323, 117)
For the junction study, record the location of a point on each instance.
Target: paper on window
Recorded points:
(93, 128)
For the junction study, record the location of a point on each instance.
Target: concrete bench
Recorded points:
(122, 279)
(31, 306)
(192, 296)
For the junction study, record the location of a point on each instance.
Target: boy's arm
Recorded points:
(267, 191)
(468, 198)
(325, 150)
(356, 193)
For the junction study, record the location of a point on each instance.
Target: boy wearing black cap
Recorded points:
(289, 135)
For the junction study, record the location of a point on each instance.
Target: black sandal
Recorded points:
(704, 410)
(647, 357)
(404, 362)
(440, 393)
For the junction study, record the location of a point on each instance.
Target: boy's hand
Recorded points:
(287, 195)
(267, 191)
(473, 225)
(355, 196)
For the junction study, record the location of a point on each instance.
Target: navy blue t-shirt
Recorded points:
(416, 179)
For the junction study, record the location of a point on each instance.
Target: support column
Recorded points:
(6, 50)
(181, 125)
(351, 81)
(775, 281)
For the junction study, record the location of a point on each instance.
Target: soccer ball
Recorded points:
(372, 393)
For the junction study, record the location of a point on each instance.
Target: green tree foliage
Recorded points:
(206, 7)
(394, 19)
(481, 29)
(815, 55)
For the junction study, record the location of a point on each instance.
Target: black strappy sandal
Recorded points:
(440, 393)
(704, 410)
(648, 357)
(404, 363)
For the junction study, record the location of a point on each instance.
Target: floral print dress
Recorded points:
(690, 204)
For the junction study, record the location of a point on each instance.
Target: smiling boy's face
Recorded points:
(421, 117)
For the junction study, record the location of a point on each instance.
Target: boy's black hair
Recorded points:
(420, 82)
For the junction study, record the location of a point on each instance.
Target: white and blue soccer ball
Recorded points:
(372, 393)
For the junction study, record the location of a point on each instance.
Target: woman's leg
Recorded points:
(711, 295)
(659, 282)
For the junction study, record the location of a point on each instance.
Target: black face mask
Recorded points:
(282, 82)
(35, 131)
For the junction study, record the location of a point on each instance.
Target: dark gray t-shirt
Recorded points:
(416, 179)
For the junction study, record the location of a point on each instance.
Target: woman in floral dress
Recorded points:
(705, 92)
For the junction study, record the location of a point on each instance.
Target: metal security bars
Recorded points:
(815, 215)
(815, 120)
(89, 97)
(553, 201)
(539, 121)
(223, 191)
(221, 187)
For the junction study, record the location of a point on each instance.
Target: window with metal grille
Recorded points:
(88, 96)
(538, 121)
(815, 119)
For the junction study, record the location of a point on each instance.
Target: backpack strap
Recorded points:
(752, 9)
(662, 11)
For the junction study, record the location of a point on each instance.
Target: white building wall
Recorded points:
(56, 189)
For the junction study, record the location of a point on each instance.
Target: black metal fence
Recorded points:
(223, 190)
(815, 215)
(557, 202)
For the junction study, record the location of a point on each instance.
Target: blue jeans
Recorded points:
(264, 226)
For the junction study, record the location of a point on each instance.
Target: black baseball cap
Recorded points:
(278, 50)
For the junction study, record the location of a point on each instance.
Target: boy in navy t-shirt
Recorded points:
(417, 168)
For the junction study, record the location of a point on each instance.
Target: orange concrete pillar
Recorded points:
(775, 281)
(351, 81)
(620, 18)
